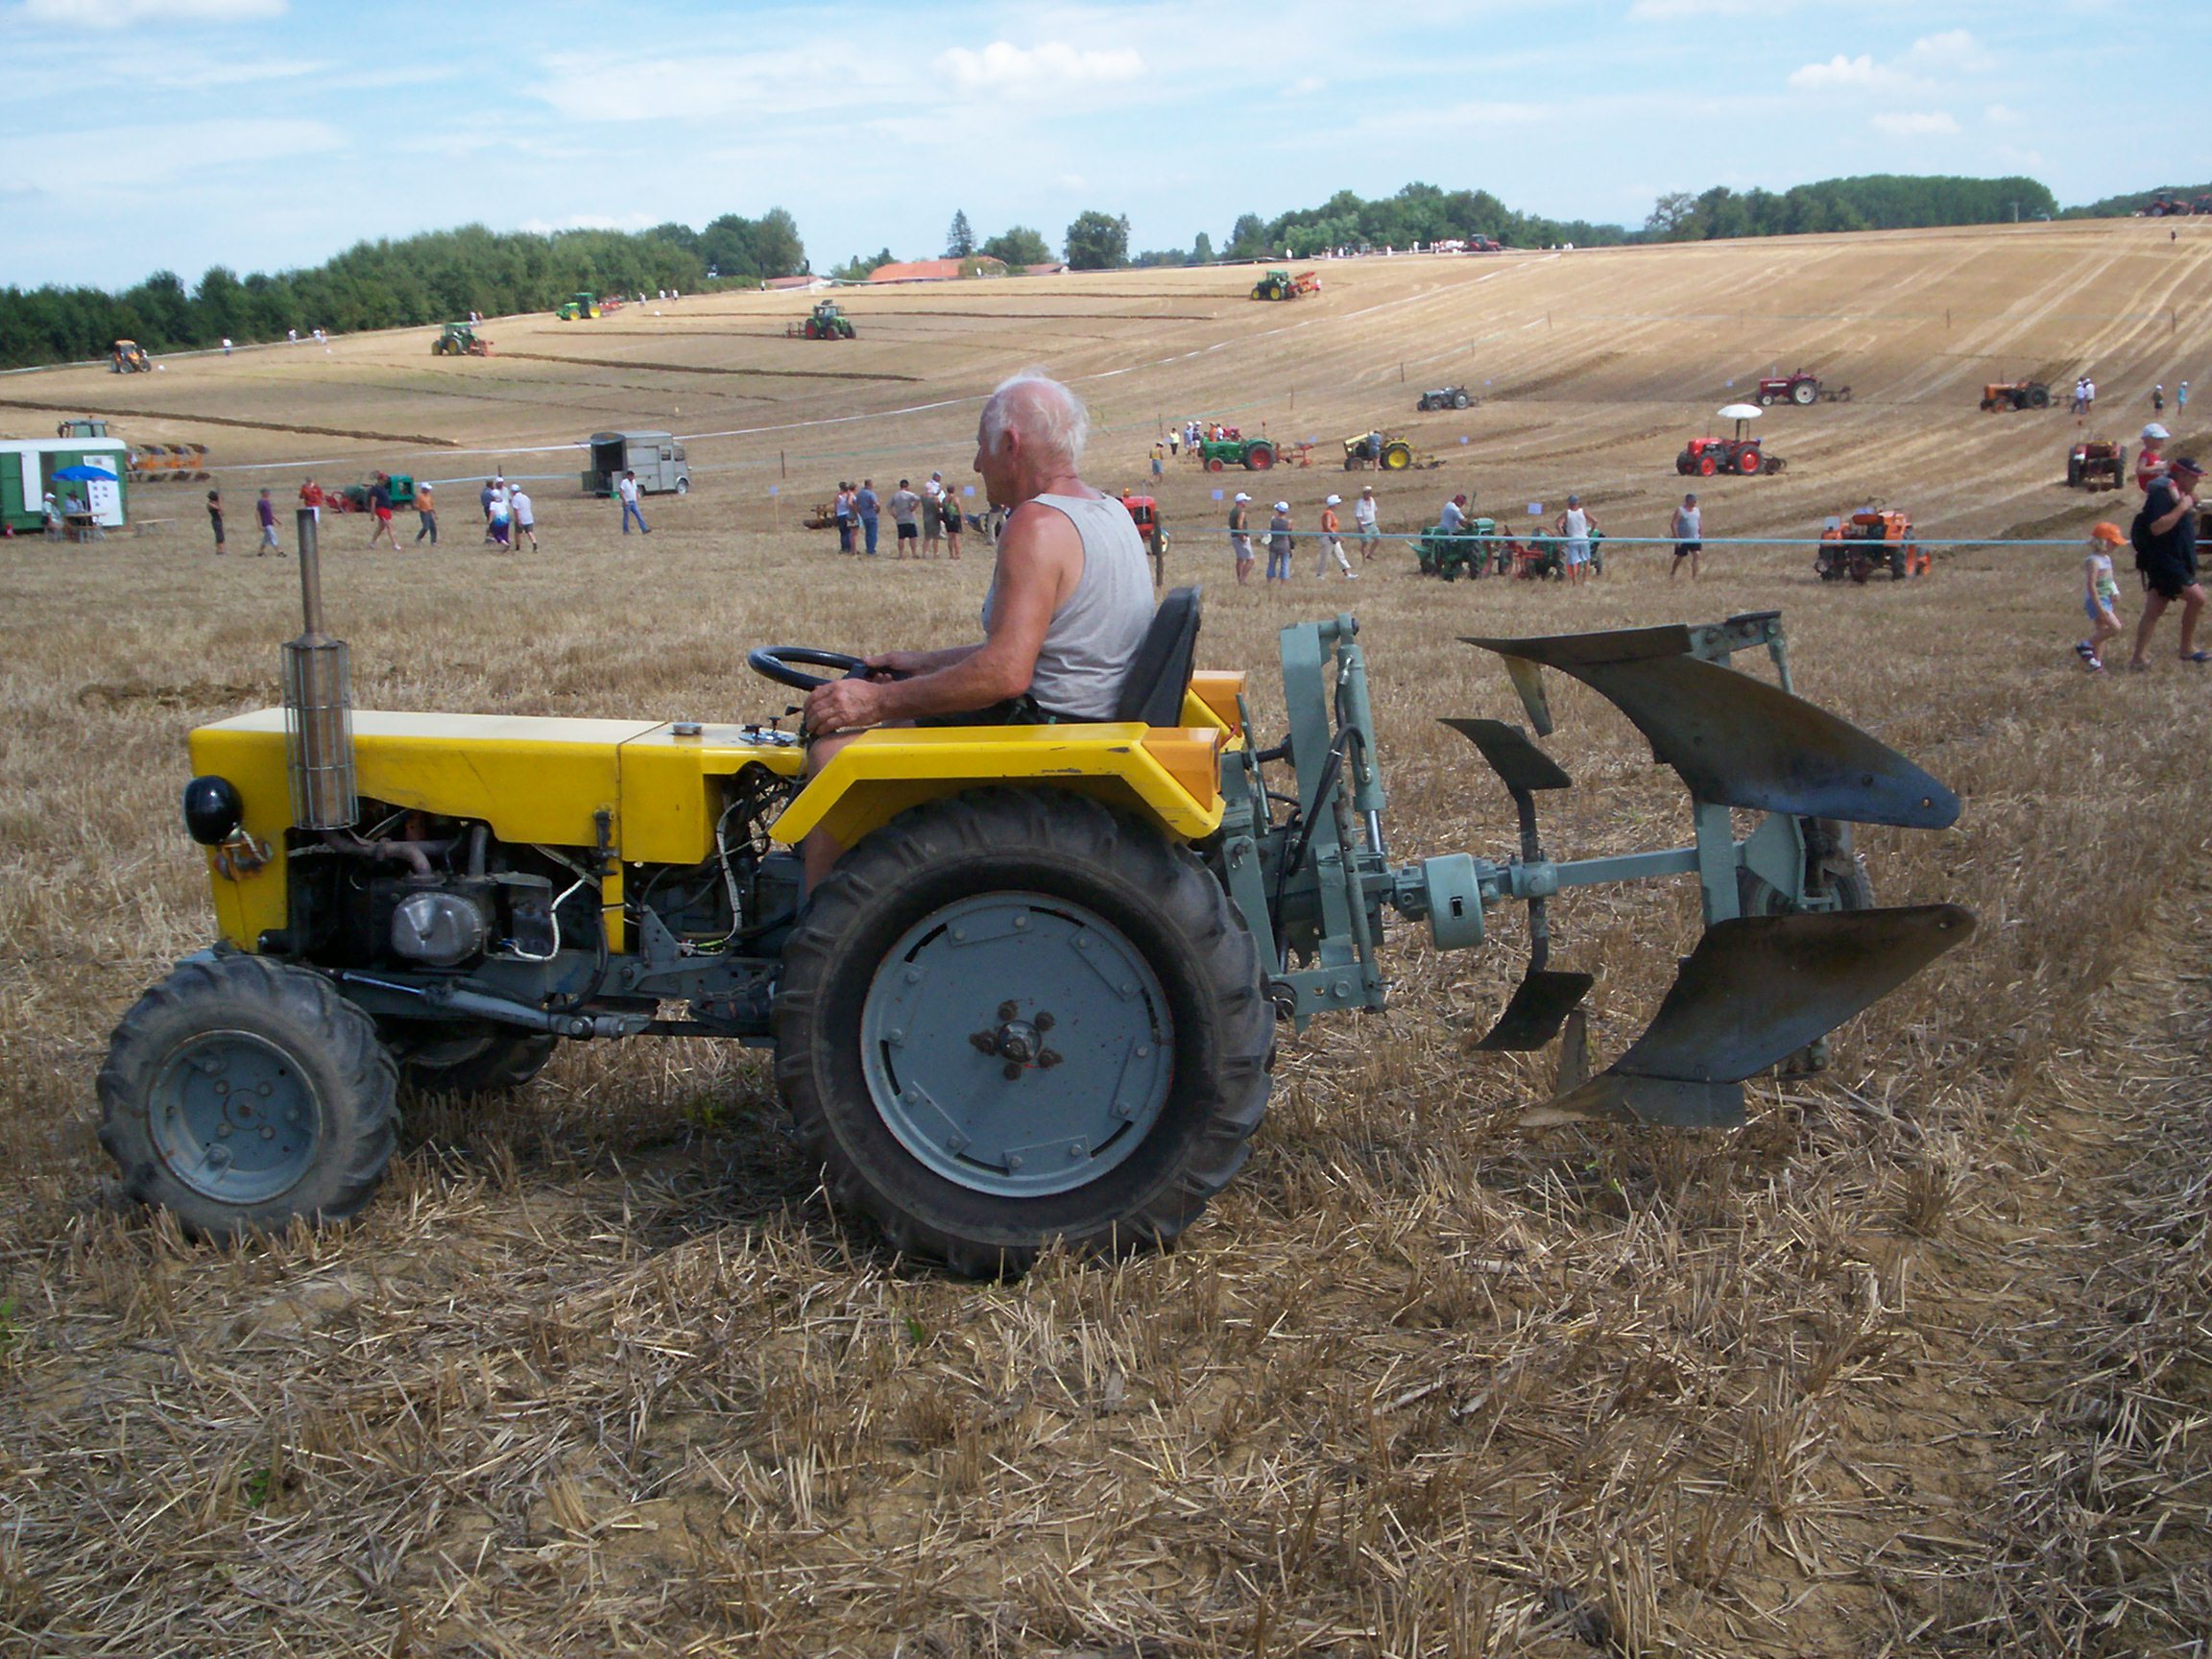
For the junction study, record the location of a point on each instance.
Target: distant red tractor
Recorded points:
(1869, 541)
(1703, 457)
(1799, 388)
(2097, 463)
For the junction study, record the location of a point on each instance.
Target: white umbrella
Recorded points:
(1740, 411)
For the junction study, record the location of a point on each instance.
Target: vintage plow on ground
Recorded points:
(1036, 1002)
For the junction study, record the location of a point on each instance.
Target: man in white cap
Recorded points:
(2151, 465)
(1331, 541)
(1279, 544)
(1241, 537)
(1368, 518)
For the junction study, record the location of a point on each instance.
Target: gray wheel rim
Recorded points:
(235, 1118)
(1016, 1044)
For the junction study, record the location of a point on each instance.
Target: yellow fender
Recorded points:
(1169, 773)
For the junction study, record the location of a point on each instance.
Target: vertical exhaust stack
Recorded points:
(318, 706)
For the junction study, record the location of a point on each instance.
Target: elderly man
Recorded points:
(1070, 601)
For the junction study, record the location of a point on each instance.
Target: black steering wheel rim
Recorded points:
(777, 663)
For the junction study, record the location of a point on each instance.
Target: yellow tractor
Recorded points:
(1037, 1001)
(129, 358)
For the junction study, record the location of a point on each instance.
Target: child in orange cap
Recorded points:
(2100, 597)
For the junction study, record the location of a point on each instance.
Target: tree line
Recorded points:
(435, 276)
(443, 275)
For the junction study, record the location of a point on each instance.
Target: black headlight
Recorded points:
(212, 810)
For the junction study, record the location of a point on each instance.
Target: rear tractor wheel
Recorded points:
(243, 1094)
(1458, 399)
(1804, 392)
(1015, 1018)
(2038, 396)
(1748, 464)
(1259, 457)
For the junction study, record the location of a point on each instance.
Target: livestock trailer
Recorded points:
(656, 457)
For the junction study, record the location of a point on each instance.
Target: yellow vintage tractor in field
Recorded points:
(1037, 1001)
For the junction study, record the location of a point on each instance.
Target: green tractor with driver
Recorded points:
(1036, 1003)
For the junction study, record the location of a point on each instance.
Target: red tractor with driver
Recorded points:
(1799, 388)
(1705, 457)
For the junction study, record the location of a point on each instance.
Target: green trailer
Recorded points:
(27, 469)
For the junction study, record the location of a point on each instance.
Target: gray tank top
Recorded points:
(1093, 635)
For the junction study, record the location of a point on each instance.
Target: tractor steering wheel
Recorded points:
(777, 663)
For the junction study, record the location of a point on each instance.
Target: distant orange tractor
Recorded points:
(1871, 540)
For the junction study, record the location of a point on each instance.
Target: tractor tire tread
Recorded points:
(1111, 849)
(265, 994)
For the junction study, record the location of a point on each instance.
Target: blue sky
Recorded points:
(136, 134)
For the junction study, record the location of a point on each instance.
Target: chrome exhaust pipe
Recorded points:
(318, 706)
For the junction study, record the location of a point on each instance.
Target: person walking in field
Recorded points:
(841, 509)
(381, 512)
(2158, 399)
(503, 522)
(2100, 597)
(628, 490)
(1241, 537)
(1279, 544)
(483, 499)
(525, 516)
(215, 519)
(1687, 530)
(2166, 557)
(2182, 398)
(265, 509)
(1333, 542)
(1575, 526)
(1368, 518)
(425, 514)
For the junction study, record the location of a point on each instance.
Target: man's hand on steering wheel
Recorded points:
(897, 665)
(844, 704)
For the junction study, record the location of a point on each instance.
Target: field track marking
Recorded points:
(79, 408)
(701, 368)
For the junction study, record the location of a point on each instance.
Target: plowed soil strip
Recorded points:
(701, 369)
(80, 408)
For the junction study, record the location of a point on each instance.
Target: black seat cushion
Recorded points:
(1161, 670)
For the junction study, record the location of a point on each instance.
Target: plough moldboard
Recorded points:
(1793, 946)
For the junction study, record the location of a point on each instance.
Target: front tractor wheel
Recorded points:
(1017, 1018)
(244, 1094)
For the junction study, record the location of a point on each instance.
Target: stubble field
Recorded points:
(1914, 1363)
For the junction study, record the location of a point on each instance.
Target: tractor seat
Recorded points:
(1158, 674)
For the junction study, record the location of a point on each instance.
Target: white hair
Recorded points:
(1051, 418)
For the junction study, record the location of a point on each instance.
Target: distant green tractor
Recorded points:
(1253, 454)
(826, 322)
(1465, 552)
(578, 307)
(460, 340)
(1282, 285)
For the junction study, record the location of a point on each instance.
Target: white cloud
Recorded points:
(588, 221)
(1926, 124)
(1695, 11)
(2003, 116)
(119, 13)
(1955, 51)
(1306, 86)
(1840, 71)
(1038, 71)
(123, 161)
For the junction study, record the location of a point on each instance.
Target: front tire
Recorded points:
(244, 1094)
(948, 953)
